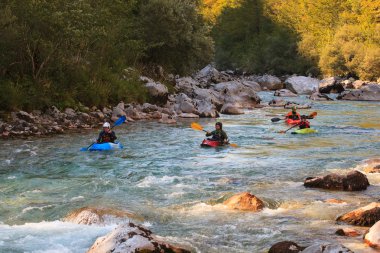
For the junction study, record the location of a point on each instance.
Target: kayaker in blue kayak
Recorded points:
(218, 134)
(106, 135)
(304, 123)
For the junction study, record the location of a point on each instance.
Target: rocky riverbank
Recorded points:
(206, 94)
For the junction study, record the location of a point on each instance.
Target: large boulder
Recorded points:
(132, 238)
(331, 85)
(327, 248)
(268, 82)
(370, 92)
(284, 93)
(244, 202)
(353, 181)
(364, 216)
(372, 237)
(358, 84)
(91, 215)
(286, 247)
(184, 104)
(209, 94)
(206, 108)
(186, 85)
(209, 74)
(157, 89)
(236, 93)
(252, 85)
(302, 84)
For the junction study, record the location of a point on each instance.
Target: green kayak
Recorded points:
(305, 131)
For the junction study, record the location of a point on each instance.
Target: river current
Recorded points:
(177, 187)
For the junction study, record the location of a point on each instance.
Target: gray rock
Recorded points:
(331, 85)
(231, 109)
(184, 104)
(358, 84)
(252, 85)
(370, 92)
(286, 247)
(186, 85)
(238, 94)
(147, 108)
(145, 79)
(70, 112)
(25, 116)
(277, 103)
(188, 115)
(327, 248)
(206, 108)
(319, 97)
(268, 82)
(157, 89)
(302, 84)
(284, 93)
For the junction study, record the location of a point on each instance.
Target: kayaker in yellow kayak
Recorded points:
(304, 123)
(218, 134)
(107, 135)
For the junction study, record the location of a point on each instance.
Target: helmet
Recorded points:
(219, 124)
(106, 124)
(303, 117)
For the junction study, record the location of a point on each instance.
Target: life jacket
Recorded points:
(292, 116)
(304, 124)
(106, 137)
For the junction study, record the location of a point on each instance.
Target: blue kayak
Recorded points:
(104, 146)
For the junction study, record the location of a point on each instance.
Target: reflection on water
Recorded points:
(178, 187)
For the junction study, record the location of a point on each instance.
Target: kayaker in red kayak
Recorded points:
(107, 135)
(293, 115)
(218, 134)
(304, 123)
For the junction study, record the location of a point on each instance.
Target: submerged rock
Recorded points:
(372, 237)
(364, 216)
(286, 247)
(353, 181)
(244, 202)
(132, 238)
(231, 109)
(319, 97)
(327, 248)
(284, 93)
(91, 215)
(349, 232)
(277, 103)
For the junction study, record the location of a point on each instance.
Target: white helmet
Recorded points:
(106, 124)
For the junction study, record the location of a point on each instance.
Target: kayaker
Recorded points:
(294, 115)
(304, 123)
(106, 135)
(218, 134)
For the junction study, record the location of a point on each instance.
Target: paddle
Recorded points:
(198, 127)
(311, 116)
(118, 122)
(282, 132)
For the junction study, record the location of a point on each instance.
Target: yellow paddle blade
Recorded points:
(196, 126)
(233, 145)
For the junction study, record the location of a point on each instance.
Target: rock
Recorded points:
(252, 85)
(132, 113)
(70, 112)
(231, 109)
(334, 201)
(372, 237)
(290, 105)
(211, 95)
(206, 109)
(364, 216)
(157, 89)
(165, 119)
(184, 104)
(107, 111)
(302, 84)
(331, 85)
(238, 94)
(319, 97)
(286, 247)
(277, 103)
(268, 82)
(147, 108)
(371, 166)
(373, 169)
(186, 85)
(353, 181)
(25, 116)
(358, 84)
(100, 216)
(349, 232)
(156, 115)
(132, 238)
(370, 92)
(244, 202)
(284, 93)
(54, 112)
(348, 84)
(327, 248)
(99, 115)
(209, 74)
(145, 79)
(118, 111)
(188, 115)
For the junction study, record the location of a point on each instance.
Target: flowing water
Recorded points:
(178, 187)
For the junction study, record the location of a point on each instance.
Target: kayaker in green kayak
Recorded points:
(106, 135)
(304, 123)
(218, 134)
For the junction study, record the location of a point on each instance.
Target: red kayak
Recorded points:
(210, 143)
(292, 122)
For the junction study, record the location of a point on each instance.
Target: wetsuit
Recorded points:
(293, 116)
(304, 124)
(106, 137)
(218, 135)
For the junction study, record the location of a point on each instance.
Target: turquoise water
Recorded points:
(164, 175)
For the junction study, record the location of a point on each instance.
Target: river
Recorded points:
(167, 178)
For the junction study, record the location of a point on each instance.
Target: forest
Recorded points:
(74, 53)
